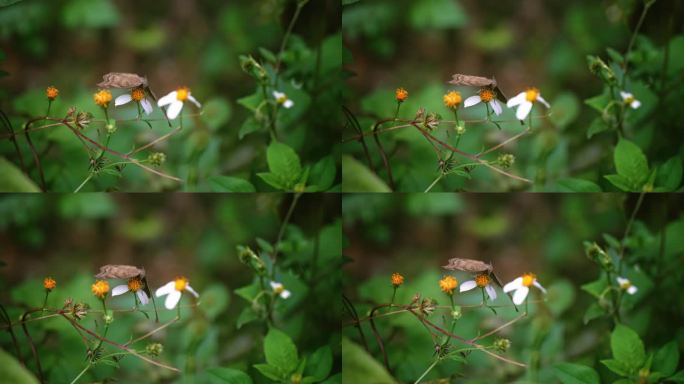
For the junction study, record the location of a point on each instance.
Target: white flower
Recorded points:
(625, 284)
(521, 286)
(483, 281)
(282, 99)
(486, 95)
(176, 99)
(524, 101)
(629, 99)
(134, 285)
(137, 95)
(173, 289)
(279, 289)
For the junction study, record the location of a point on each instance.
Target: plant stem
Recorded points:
(47, 292)
(283, 43)
(397, 111)
(647, 5)
(90, 175)
(87, 367)
(49, 105)
(427, 371)
(441, 174)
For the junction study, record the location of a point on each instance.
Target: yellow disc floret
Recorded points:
(401, 94)
(528, 279)
(629, 99)
(482, 280)
(486, 95)
(51, 93)
(137, 94)
(181, 282)
(49, 283)
(448, 284)
(531, 94)
(397, 279)
(102, 98)
(182, 93)
(452, 99)
(100, 288)
(135, 284)
(279, 289)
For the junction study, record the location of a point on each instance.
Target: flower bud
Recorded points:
(505, 160)
(460, 129)
(456, 313)
(501, 345)
(111, 127)
(154, 349)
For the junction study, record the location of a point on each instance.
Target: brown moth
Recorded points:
(478, 81)
(111, 271)
(468, 265)
(122, 80)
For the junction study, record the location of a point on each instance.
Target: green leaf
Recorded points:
(323, 173)
(670, 174)
(246, 316)
(356, 177)
(13, 180)
(216, 112)
(666, 359)
(90, 14)
(617, 366)
(597, 126)
(569, 184)
(250, 125)
(360, 367)
(627, 347)
(251, 102)
(215, 300)
(677, 377)
(230, 375)
(230, 184)
(595, 288)
(13, 372)
(598, 102)
(564, 109)
(436, 14)
(273, 180)
(320, 363)
(594, 311)
(280, 351)
(569, 373)
(621, 182)
(283, 162)
(271, 372)
(630, 162)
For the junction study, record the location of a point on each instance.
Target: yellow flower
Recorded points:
(102, 98)
(401, 95)
(448, 284)
(100, 288)
(51, 93)
(49, 283)
(452, 99)
(397, 279)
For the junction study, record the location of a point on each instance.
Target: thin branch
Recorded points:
(32, 345)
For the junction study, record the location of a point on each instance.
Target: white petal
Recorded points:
(632, 290)
(536, 284)
(120, 290)
(467, 285)
(520, 295)
(147, 107)
(168, 99)
(519, 98)
(143, 297)
(172, 299)
(491, 291)
(275, 285)
(625, 95)
(166, 289)
(496, 107)
(277, 94)
(472, 100)
(288, 103)
(622, 281)
(635, 104)
(541, 100)
(194, 101)
(515, 284)
(285, 294)
(174, 109)
(123, 99)
(523, 110)
(189, 289)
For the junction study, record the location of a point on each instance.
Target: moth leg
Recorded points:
(510, 296)
(154, 304)
(154, 97)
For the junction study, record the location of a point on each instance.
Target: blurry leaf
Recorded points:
(323, 173)
(437, 14)
(356, 177)
(344, 2)
(5, 3)
(598, 102)
(13, 180)
(489, 226)
(595, 288)
(621, 183)
(86, 206)
(677, 377)
(319, 363)
(284, 163)
(230, 184)
(271, 372)
(335, 379)
(231, 376)
(564, 109)
(676, 61)
(493, 39)
(250, 125)
(594, 311)
(249, 292)
(214, 300)
(268, 55)
(145, 39)
(616, 366)
(89, 14)
(13, 372)
(246, 316)
(615, 55)
(280, 351)
(630, 162)
(360, 367)
(425, 204)
(569, 184)
(561, 295)
(264, 245)
(627, 347)
(666, 359)
(597, 126)
(670, 174)
(569, 373)
(252, 101)
(273, 180)
(216, 112)
(143, 229)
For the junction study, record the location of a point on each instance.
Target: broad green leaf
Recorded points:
(90, 14)
(13, 180)
(215, 300)
(564, 109)
(283, 162)
(598, 102)
(13, 372)
(356, 177)
(630, 162)
(666, 359)
(593, 312)
(271, 372)
(677, 377)
(248, 292)
(569, 373)
(323, 173)
(250, 125)
(436, 14)
(627, 347)
(251, 102)
(280, 351)
(621, 182)
(216, 112)
(230, 184)
(360, 367)
(569, 184)
(246, 316)
(319, 363)
(670, 174)
(595, 288)
(273, 180)
(597, 126)
(230, 375)
(617, 366)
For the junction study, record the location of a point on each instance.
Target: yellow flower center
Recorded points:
(486, 95)
(182, 93)
(528, 279)
(278, 289)
(448, 284)
(401, 94)
(100, 288)
(397, 279)
(102, 98)
(49, 283)
(452, 99)
(181, 282)
(482, 280)
(625, 284)
(629, 99)
(281, 99)
(138, 94)
(531, 94)
(51, 92)
(135, 284)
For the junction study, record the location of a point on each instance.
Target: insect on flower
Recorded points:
(468, 265)
(122, 80)
(113, 271)
(478, 81)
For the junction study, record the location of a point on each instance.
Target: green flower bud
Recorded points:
(505, 160)
(248, 257)
(156, 159)
(456, 313)
(111, 127)
(501, 345)
(154, 349)
(460, 129)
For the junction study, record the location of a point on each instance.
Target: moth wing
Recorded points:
(471, 81)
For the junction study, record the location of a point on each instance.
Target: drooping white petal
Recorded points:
(172, 299)
(536, 284)
(496, 107)
(622, 281)
(491, 291)
(519, 98)
(541, 100)
(194, 101)
(625, 95)
(174, 109)
(515, 284)
(275, 285)
(520, 295)
(168, 99)
(143, 297)
(635, 104)
(120, 290)
(189, 289)
(472, 100)
(523, 110)
(166, 289)
(277, 95)
(288, 103)
(123, 99)
(285, 294)
(146, 106)
(632, 290)
(467, 285)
